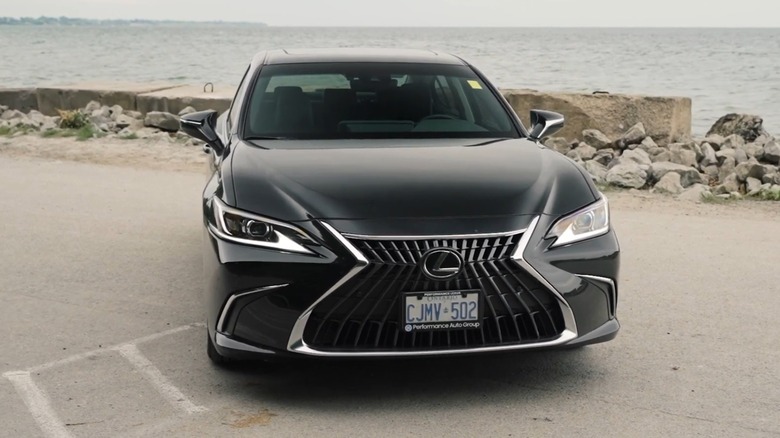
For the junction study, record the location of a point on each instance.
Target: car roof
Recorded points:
(298, 56)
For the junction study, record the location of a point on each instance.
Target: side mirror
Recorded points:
(202, 125)
(545, 123)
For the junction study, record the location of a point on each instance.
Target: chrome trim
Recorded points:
(438, 237)
(583, 236)
(297, 344)
(611, 283)
(226, 308)
(224, 341)
(191, 122)
(519, 258)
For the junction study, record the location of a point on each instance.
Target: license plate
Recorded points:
(450, 310)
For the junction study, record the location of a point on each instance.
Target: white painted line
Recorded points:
(38, 404)
(77, 357)
(156, 378)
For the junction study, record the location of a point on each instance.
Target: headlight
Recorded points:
(246, 228)
(587, 223)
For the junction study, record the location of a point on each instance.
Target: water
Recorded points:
(722, 70)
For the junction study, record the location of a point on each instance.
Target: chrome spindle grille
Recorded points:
(365, 313)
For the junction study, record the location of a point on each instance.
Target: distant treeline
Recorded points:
(68, 21)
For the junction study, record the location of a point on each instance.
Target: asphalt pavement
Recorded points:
(101, 333)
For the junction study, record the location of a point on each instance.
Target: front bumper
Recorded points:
(259, 301)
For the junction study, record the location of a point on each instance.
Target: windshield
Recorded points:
(374, 100)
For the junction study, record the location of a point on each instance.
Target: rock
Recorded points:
(715, 141)
(693, 147)
(134, 114)
(754, 150)
(123, 121)
(695, 193)
(753, 186)
(688, 175)
(747, 126)
(633, 136)
(628, 175)
(604, 156)
(662, 156)
(669, 184)
(725, 153)
(711, 173)
(12, 114)
(637, 155)
(596, 138)
(585, 151)
(161, 137)
(772, 152)
(740, 156)
(730, 184)
(597, 171)
(162, 120)
(763, 139)
(116, 111)
(92, 106)
(558, 144)
(145, 132)
(681, 156)
(727, 167)
(771, 173)
(647, 145)
(187, 110)
(708, 156)
(733, 142)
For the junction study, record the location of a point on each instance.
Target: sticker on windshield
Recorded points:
(475, 85)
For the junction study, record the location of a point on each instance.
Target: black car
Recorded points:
(390, 203)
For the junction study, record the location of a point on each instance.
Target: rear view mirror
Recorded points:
(545, 123)
(201, 125)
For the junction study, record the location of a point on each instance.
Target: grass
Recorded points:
(8, 131)
(131, 136)
(87, 132)
(769, 195)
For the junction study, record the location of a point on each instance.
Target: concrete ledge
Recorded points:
(50, 99)
(666, 119)
(175, 99)
(22, 99)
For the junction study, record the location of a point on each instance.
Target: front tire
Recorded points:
(216, 358)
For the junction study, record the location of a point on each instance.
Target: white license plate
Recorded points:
(451, 310)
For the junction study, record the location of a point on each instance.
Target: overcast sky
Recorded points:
(579, 13)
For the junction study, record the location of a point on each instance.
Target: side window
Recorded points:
(232, 119)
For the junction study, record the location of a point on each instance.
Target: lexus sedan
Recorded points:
(390, 203)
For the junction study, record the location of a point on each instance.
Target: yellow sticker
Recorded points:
(475, 85)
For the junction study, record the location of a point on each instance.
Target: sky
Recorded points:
(488, 13)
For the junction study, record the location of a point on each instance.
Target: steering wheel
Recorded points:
(439, 117)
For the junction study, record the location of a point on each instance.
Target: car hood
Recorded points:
(405, 179)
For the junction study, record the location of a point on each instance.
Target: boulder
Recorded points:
(604, 156)
(661, 155)
(597, 171)
(754, 150)
(747, 126)
(772, 152)
(708, 156)
(711, 173)
(633, 136)
(730, 184)
(681, 156)
(93, 105)
(733, 142)
(558, 144)
(740, 156)
(715, 141)
(116, 111)
(162, 120)
(596, 138)
(12, 114)
(727, 167)
(669, 184)
(637, 155)
(628, 175)
(123, 121)
(753, 186)
(647, 145)
(724, 153)
(585, 151)
(187, 110)
(695, 193)
(749, 169)
(688, 175)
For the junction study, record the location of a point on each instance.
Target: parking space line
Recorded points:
(77, 357)
(158, 380)
(38, 404)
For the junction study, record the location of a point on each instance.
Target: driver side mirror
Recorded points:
(202, 125)
(544, 124)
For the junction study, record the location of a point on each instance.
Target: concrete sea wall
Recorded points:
(666, 119)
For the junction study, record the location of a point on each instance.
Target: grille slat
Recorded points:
(365, 314)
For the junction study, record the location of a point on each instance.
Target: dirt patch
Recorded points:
(241, 420)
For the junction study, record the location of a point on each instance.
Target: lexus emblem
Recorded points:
(441, 263)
